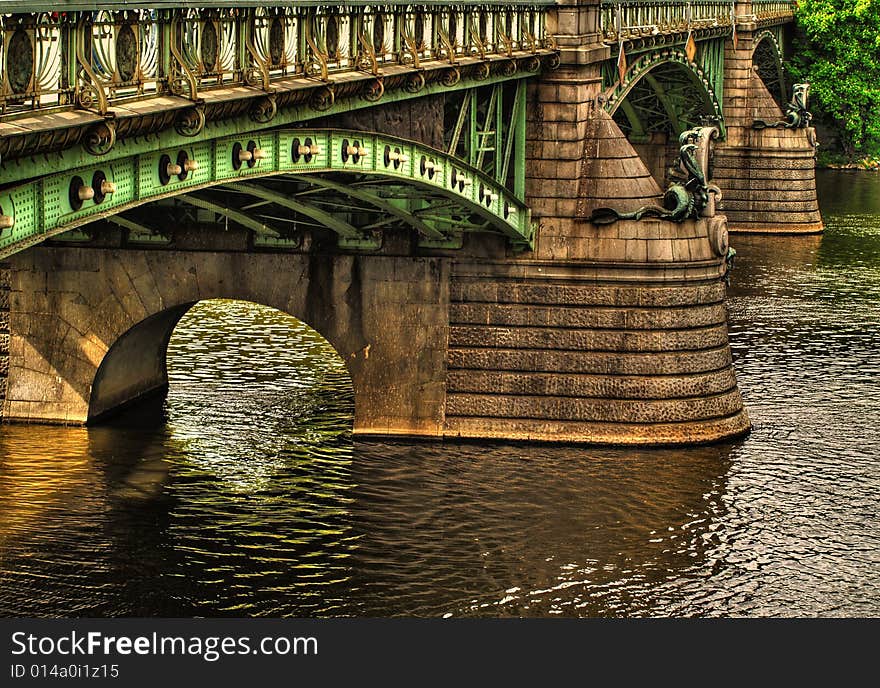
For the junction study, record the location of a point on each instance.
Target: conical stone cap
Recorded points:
(612, 173)
(761, 102)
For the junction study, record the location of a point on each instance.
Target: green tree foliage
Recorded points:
(840, 57)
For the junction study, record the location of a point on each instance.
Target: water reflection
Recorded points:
(529, 530)
(244, 495)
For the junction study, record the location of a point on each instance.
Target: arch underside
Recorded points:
(767, 62)
(668, 98)
(276, 184)
(350, 210)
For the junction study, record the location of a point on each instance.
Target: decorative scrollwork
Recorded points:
(90, 94)
(552, 61)
(796, 114)
(316, 65)
(479, 45)
(685, 200)
(450, 77)
(190, 122)
(414, 83)
(366, 59)
(264, 109)
(448, 46)
(482, 71)
(374, 90)
(322, 99)
(257, 73)
(182, 78)
(532, 64)
(410, 50)
(100, 138)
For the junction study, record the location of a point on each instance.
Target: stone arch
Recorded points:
(767, 59)
(110, 314)
(135, 366)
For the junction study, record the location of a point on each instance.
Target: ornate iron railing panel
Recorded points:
(633, 19)
(95, 59)
(40, 209)
(630, 19)
(765, 10)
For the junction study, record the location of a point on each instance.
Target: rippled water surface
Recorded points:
(250, 498)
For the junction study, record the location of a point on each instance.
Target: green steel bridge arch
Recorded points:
(767, 59)
(664, 90)
(331, 178)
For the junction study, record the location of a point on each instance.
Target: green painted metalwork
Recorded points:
(29, 167)
(710, 56)
(767, 59)
(386, 206)
(42, 208)
(695, 98)
(235, 215)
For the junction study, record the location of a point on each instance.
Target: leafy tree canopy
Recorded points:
(839, 55)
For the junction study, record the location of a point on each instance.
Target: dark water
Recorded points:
(251, 500)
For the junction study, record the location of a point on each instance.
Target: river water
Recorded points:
(245, 495)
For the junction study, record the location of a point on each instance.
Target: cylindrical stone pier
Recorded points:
(767, 176)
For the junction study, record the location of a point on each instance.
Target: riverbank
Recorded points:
(840, 162)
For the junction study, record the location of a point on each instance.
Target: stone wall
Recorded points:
(610, 355)
(71, 307)
(418, 120)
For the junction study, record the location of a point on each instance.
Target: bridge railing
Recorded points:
(629, 19)
(91, 59)
(773, 9)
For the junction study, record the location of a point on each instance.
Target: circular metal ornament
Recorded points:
(100, 138)
(415, 83)
(190, 122)
(264, 110)
(332, 36)
(322, 99)
(374, 90)
(450, 77)
(88, 96)
(379, 33)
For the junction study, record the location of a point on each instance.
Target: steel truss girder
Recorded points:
(380, 203)
(346, 231)
(45, 207)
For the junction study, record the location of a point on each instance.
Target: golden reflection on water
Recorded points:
(42, 473)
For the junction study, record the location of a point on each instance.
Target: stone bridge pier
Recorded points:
(768, 175)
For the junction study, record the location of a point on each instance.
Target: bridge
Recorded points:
(510, 219)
